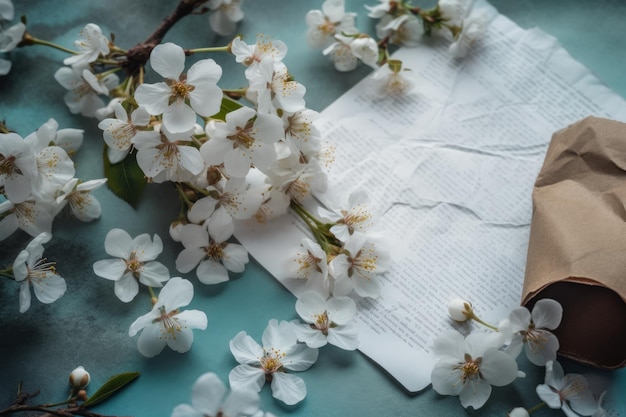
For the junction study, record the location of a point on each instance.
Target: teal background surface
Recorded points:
(89, 325)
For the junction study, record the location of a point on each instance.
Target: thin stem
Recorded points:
(536, 407)
(31, 40)
(478, 320)
(208, 49)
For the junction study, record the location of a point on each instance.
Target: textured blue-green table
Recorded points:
(89, 325)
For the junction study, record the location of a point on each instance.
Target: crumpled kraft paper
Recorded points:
(577, 245)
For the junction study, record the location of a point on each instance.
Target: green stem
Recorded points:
(31, 40)
(7, 272)
(536, 407)
(208, 49)
(478, 320)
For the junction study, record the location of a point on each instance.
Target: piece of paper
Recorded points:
(449, 170)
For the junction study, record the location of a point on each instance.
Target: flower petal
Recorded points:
(344, 337)
(246, 377)
(49, 289)
(126, 288)
(211, 272)
(168, 60)
(176, 293)
(178, 117)
(150, 342)
(193, 319)
(498, 368)
(118, 243)
(342, 310)
(112, 269)
(300, 357)
(245, 349)
(153, 274)
(475, 394)
(182, 341)
(547, 314)
(207, 394)
(288, 388)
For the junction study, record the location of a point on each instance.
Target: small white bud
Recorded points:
(518, 412)
(79, 378)
(460, 310)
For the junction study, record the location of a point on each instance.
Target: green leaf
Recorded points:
(125, 178)
(114, 384)
(228, 105)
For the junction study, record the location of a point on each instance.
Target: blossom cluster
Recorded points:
(399, 23)
(470, 365)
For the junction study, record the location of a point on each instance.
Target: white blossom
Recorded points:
(390, 81)
(324, 24)
(31, 215)
(70, 140)
(352, 216)
(301, 134)
(84, 89)
(18, 167)
(473, 29)
(210, 397)
(30, 268)
(91, 46)
(134, 262)
(310, 264)
(468, 367)
(327, 321)
(198, 86)
(273, 88)
(166, 323)
(224, 15)
(405, 30)
(77, 196)
(569, 392)
(251, 55)
(280, 352)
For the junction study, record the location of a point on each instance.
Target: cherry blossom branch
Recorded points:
(138, 55)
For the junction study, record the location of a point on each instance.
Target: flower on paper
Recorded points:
(91, 46)
(389, 81)
(569, 392)
(357, 266)
(79, 378)
(18, 167)
(518, 412)
(168, 156)
(279, 353)
(251, 55)
(134, 262)
(532, 331)
(301, 135)
(296, 180)
(341, 54)
(120, 131)
(324, 24)
(77, 195)
(468, 367)
(245, 139)
(30, 268)
(273, 88)
(84, 87)
(32, 216)
(224, 15)
(405, 30)
(327, 321)
(460, 310)
(311, 265)
(349, 218)
(198, 88)
(473, 28)
(211, 398)
(209, 251)
(166, 323)
(235, 200)
(454, 11)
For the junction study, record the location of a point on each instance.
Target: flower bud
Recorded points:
(79, 378)
(518, 412)
(460, 310)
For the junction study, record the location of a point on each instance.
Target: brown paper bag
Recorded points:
(577, 246)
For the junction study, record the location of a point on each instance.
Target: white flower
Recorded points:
(209, 250)
(366, 49)
(32, 216)
(18, 167)
(518, 412)
(209, 397)
(341, 54)
(389, 81)
(324, 24)
(297, 180)
(310, 264)
(79, 378)
(349, 218)
(84, 88)
(77, 195)
(473, 28)
(167, 323)
(280, 352)
(251, 55)
(30, 268)
(460, 310)
(5, 66)
(120, 131)
(468, 367)
(532, 331)
(405, 30)
(91, 46)
(242, 141)
(327, 321)
(168, 156)
(7, 10)
(454, 11)
(357, 266)
(70, 140)
(11, 37)
(224, 15)
(134, 262)
(198, 87)
(217, 210)
(301, 135)
(378, 11)
(569, 392)
(273, 88)
(601, 412)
